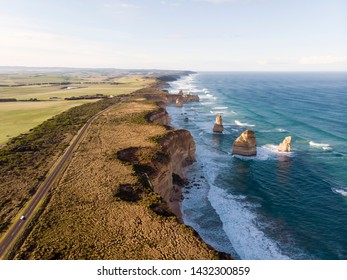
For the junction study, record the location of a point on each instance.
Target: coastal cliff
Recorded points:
(163, 166)
(159, 116)
(116, 199)
(178, 147)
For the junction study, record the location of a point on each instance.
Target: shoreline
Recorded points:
(122, 190)
(173, 199)
(106, 195)
(176, 204)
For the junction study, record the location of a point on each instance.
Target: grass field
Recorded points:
(15, 79)
(19, 117)
(45, 92)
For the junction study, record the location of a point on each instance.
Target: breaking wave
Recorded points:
(243, 124)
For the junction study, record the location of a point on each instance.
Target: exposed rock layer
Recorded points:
(285, 145)
(179, 148)
(218, 126)
(190, 98)
(179, 101)
(245, 144)
(159, 116)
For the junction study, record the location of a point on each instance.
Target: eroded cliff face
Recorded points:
(161, 167)
(177, 152)
(159, 116)
(106, 199)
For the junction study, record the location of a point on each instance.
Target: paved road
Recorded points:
(42, 191)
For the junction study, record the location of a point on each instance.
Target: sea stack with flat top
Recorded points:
(284, 147)
(245, 144)
(218, 126)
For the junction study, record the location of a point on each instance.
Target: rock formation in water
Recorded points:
(245, 144)
(179, 101)
(285, 145)
(180, 92)
(190, 98)
(218, 126)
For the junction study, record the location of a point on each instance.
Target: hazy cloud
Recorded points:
(175, 36)
(120, 5)
(325, 59)
(275, 60)
(118, 8)
(223, 1)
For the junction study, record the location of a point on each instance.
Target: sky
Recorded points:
(199, 35)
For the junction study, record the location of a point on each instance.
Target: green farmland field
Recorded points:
(20, 117)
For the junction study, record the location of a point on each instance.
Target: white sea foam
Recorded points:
(185, 84)
(217, 112)
(262, 154)
(320, 145)
(206, 96)
(266, 152)
(240, 225)
(220, 108)
(207, 103)
(194, 207)
(340, 191)
(273, 130)
(270, 147)
(195, 90)
(243, 124)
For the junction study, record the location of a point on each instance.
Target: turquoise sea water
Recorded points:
(272, 206)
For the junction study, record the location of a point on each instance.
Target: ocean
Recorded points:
(274, 205)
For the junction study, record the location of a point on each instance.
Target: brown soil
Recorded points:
(85, 220)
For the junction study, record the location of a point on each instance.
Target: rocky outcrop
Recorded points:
(159, 116)
(180, 92)
(177, 152)
(179, 101)
(191, 98)
(245, 144)
(218, 126)
(285, 145)
(161, 167)
(159, 95)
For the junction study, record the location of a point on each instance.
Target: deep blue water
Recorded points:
(272, 206)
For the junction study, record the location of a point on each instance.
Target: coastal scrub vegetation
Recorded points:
(105, 207)
(26, 159)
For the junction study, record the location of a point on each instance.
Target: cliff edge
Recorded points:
(116, 198)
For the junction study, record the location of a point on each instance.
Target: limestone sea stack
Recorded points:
(284, 147)
(179, 101)
(190, 98)
(218, 126)
(245, 144)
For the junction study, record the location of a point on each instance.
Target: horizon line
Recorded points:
(163, 69)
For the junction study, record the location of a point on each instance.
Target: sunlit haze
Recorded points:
(226, 35)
